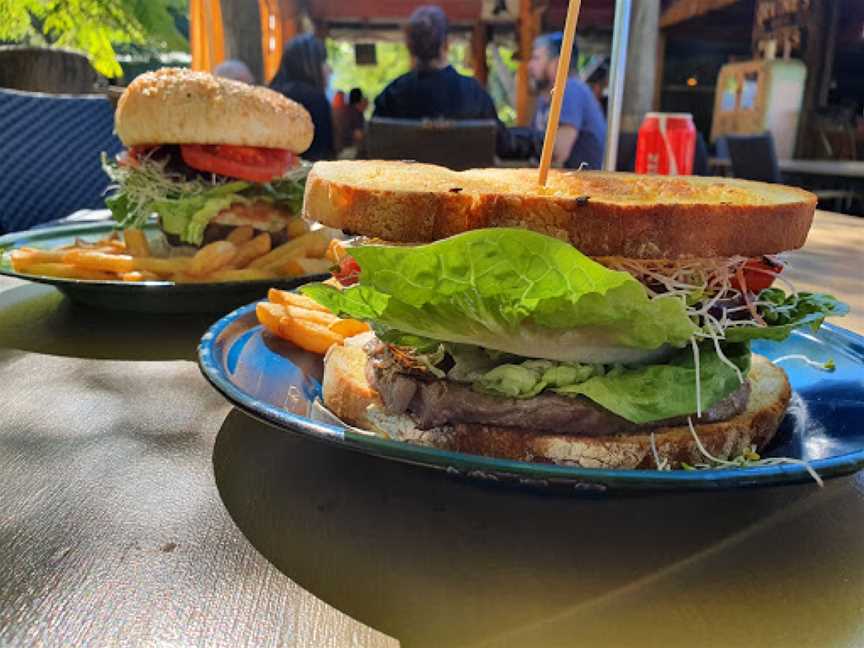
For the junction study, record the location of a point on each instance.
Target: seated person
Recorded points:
(350, 119)
(581, 136)
(433, 89)
(302, 76)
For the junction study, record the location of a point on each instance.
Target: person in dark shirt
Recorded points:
(302, 76)
(433, 89)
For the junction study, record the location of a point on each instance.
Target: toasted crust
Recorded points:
(601, 214)
(349, 396)
(176, 106)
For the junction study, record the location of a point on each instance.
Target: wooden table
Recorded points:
(852, 169)
(138, 508)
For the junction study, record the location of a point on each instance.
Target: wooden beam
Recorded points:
(687, 9)
(479, 41)
(397, 10)
(529, 29)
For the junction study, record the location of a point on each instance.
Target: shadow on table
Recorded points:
(435, 560)
(40, 320)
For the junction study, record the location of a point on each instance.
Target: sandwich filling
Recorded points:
(510, 327)
(201, 192)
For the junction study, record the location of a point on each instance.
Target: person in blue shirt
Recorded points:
(581, 134)
(433, 89)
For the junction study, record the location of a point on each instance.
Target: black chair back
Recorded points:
(50, 148)
(753, 157)
(457, 144)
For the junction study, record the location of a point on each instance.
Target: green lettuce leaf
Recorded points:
(512, 290)
(186, 206)
(640, 394)
(783, 314)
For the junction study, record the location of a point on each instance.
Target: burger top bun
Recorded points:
(178, 106)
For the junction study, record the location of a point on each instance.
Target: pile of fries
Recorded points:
(241, 257)
(304, 322)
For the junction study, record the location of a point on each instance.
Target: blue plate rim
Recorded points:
(212, 369)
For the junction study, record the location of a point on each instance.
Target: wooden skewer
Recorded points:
(561, 75)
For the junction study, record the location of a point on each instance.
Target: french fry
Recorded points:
(68, 271)
(311, 244)
(136, 242)
(140, 275)
(316, 316)
(308, 335)
(296, 227)
(241, 235)
(348, 327)
(336, 251)
(241, 274)
(212, 257)
(287, 298)
(92, 260)
(251, 250)
(165, 267)
(303, 266)
(25, 257)
(269, 315)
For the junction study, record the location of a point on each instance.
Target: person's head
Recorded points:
(339, 99)
(426, 36)
(234, 69)
(544, 60)
(304, 59)
(356, 98)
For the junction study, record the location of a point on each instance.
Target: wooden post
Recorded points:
(242, 24)
(478, 52)
(529, 29)
(819, 59)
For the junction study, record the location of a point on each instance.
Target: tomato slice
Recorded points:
(349, 271)
(758, 274)
(252, 163)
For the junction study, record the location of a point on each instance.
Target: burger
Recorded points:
(603, 320)
(207, 155)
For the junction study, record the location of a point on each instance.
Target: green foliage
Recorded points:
(393, 60)
(93, 26)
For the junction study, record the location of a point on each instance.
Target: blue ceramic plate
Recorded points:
(277, 383)
(144, 296)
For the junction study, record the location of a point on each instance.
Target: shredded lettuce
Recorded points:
(512, 290)
(186, 206)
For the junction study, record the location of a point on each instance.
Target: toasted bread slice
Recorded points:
(349, 396)
(601, 214)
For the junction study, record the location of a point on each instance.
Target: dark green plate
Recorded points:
(144, 296)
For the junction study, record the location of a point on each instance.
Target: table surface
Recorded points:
(844, 168)
(138, 508)
(839, 168)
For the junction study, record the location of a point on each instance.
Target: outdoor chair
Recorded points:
(753, 157)
(457, 144)
(50, 150)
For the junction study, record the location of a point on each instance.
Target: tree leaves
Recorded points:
(93, 26)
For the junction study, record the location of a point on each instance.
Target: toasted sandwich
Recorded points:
(604, 320)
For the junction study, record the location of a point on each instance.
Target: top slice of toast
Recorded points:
(601, 214)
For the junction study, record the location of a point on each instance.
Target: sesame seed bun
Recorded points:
(179, 106)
